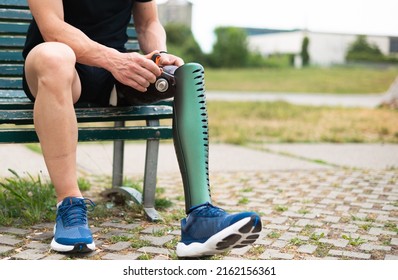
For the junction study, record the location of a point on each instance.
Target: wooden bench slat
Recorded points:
(100, 114)
(14, 3)
(17, 15)
(10, 83)
(13, 42)
(13, 28)
(10, 56)
(12, 70)
(28, 135)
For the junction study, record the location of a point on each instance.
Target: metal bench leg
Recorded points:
(150, 175)
(118, 192)
(118, 158)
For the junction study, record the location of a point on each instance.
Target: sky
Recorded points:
(371, 17)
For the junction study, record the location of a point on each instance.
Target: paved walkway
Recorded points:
(313, 99)
(322, 201)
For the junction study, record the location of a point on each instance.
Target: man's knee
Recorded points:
(54, 59)
(50, 66)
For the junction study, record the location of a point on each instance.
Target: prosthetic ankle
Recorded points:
(190, 132)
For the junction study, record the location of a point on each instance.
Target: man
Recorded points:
(75, 52)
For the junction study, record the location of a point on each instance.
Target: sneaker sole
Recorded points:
(76, 248)
(238, 235)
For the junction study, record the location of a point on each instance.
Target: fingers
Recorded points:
(169, 59)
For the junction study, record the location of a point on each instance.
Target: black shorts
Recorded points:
(97, 84)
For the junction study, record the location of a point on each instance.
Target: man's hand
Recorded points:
(139, 71)
(136, 70)
(169, 59)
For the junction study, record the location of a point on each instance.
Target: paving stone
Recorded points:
(9, 240)
(275, 254)
(394, 241)
(5, 249)
(154, 250)
(119, 246)
(295, 229)
(288, 236)
(349, 254)
(160, 258)
(320, 231)
(153, 229)
(157, 241)
(55, 257)
(307, 249)
(113, 256)
(379, 231)
(373, 247)
(16, 231)
(332, 219)
(30, 254)
(335, 242)
(363, 205)
(240, 251)
(345, 227)
(117, 233)
(264, 242)
(38, 246)
(42, 236)
(279, 243)
(120, 225)
(277, 227)
(279, 220)
(303, 222)
(43, 226)
(391, 257)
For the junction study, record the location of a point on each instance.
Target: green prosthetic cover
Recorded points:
(190, 133)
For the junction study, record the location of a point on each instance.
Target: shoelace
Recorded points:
(208, 209)
(75, 214)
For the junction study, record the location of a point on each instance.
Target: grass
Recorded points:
(309, 80)
(26, 200)
(281, 122)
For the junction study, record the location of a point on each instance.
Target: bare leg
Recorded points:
(53, 80)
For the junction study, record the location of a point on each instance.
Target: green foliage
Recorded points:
(230, 49)
(181, 42)
(305, 56)
(26, 200)
(362, 51)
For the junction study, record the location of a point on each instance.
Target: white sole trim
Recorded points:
(210, 246)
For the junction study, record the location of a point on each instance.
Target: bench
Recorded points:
(118, 124)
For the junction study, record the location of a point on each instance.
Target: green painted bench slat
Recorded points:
(10, 56)
(100, 114)
(11, 70)
(28, 135)
(10, 83)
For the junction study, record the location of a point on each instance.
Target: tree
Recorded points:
(361, 50)
(305, 56)
(181, 42)
(230, 49)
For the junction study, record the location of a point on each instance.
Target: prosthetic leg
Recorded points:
(190, 133)
(190, 130)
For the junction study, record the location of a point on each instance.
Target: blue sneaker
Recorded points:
(71, 231)
(209, 230)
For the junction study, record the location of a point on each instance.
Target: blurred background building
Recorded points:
(325, 49)
(176, 11)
